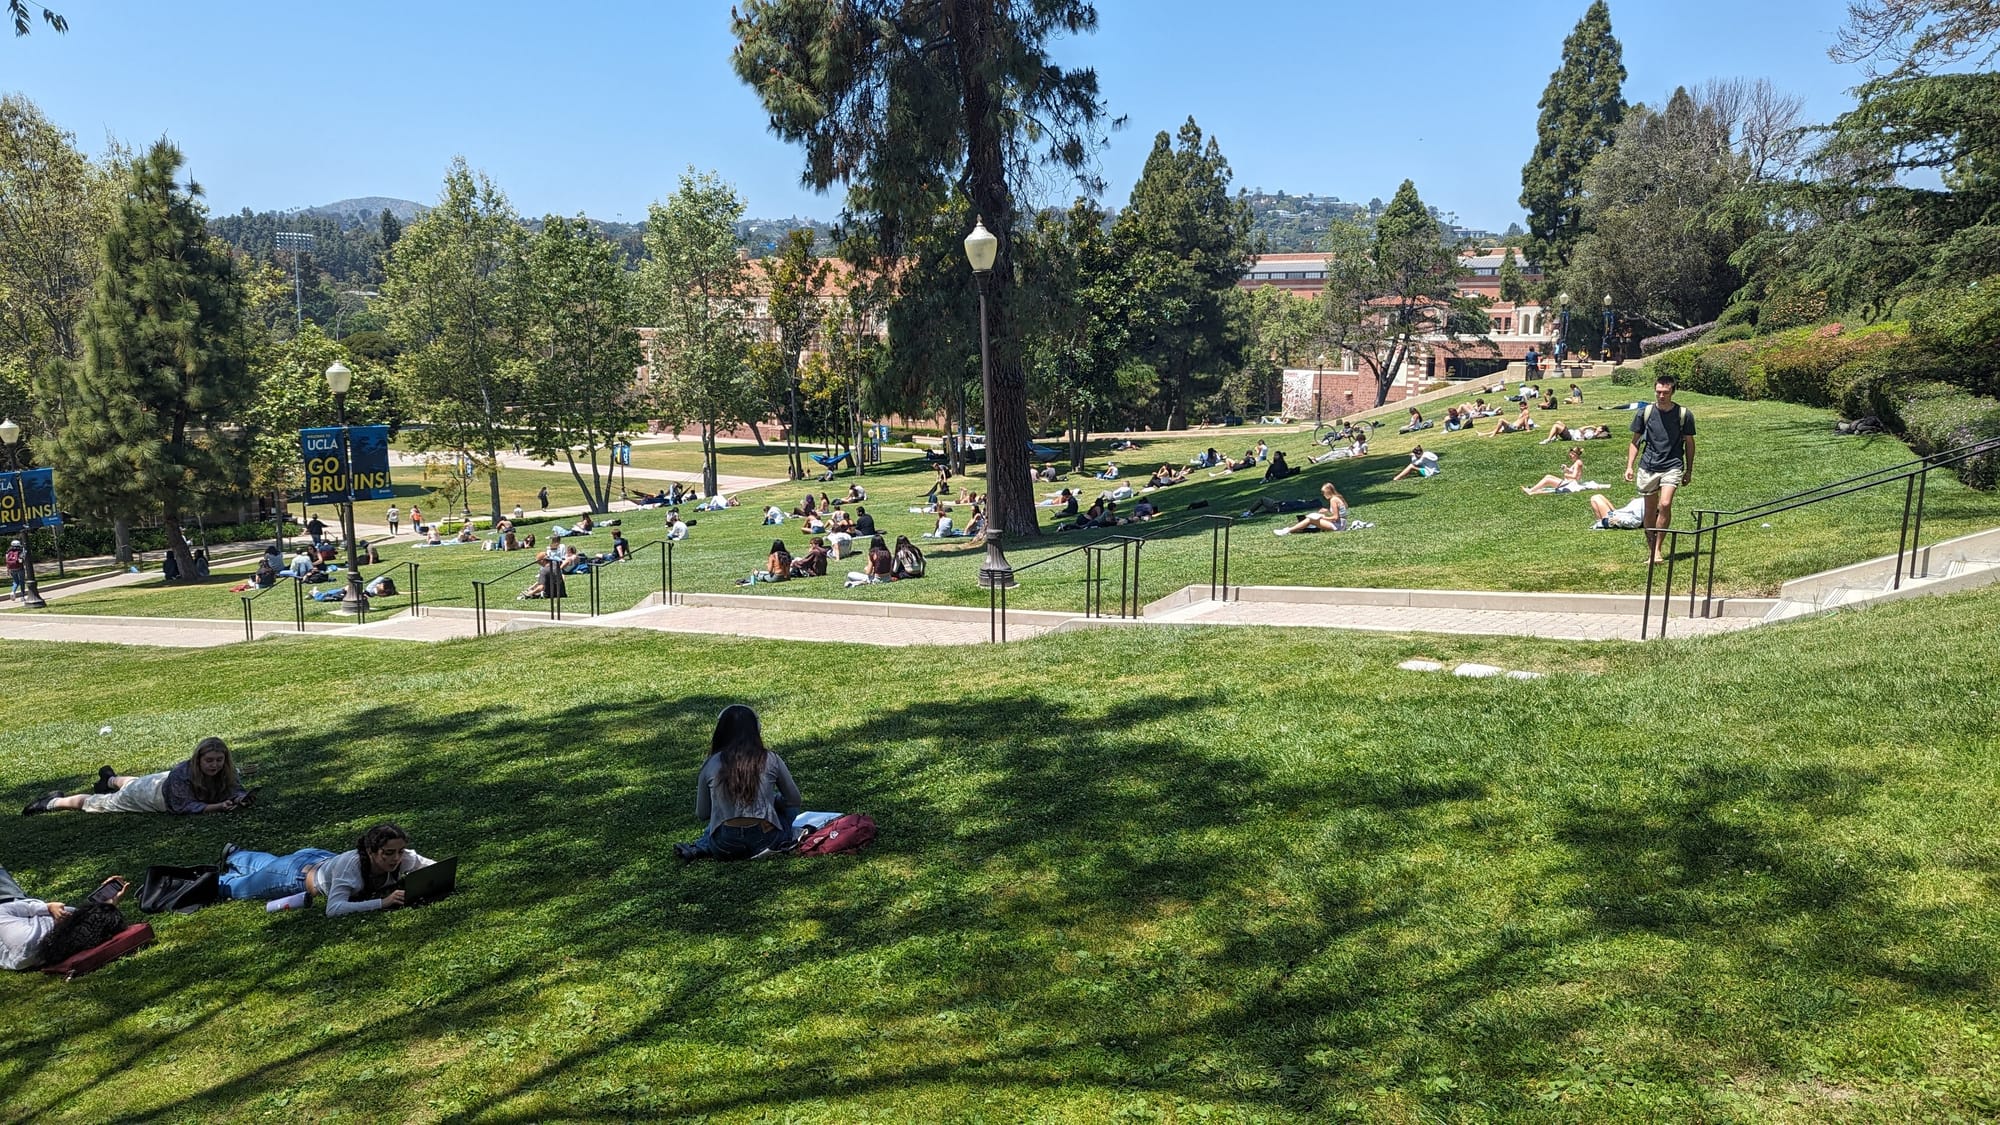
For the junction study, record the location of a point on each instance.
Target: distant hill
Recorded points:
(372, 206)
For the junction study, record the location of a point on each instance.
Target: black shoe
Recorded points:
(227, 851)
(104, 776)
(686, 853)
(41, 804)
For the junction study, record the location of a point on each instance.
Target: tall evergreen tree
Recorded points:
(165, 369)
(1580, 112)
(906, 102)
(1512, 287)
(1185, 242)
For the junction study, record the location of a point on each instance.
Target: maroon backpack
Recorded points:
(848, 833)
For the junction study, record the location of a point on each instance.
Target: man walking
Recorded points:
(543, 497)
(1663, 448)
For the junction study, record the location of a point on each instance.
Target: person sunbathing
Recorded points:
(1522, 422)
(1570, 480)
(1423, 462)
(1560, 432)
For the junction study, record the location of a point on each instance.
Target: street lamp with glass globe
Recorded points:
(31, 594)
(981, 247)
(1610, 322)
(338, 379)
(1562, 333)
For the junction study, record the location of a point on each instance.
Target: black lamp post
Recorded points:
(1562, 334)
(981, 247)
(1319, 390)
(1610, 321)
(31, 594)
(338, 379)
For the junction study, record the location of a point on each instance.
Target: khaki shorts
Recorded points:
(1650, 482)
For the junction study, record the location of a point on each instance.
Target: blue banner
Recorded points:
(354, 469)
(27, 500)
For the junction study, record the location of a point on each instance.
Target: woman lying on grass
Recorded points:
(353, 882)
(746, 793)
(1522, 422)
(205, 783)
(1560, 432)
(35, 932)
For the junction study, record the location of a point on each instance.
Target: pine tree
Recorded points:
(1580, 111)
(1185, 242)
(1512, 288)
(165, 367)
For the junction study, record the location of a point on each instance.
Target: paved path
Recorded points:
(1424, 619)
(778, 624)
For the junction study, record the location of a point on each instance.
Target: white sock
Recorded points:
(289, 902)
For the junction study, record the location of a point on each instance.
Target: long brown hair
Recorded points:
(224, 784)
(739, 738)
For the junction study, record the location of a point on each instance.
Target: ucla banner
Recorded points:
(356, 469)
(27, 500)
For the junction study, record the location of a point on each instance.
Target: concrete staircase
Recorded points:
(1965, 563)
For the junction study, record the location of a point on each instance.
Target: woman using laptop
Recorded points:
(745, 792)
(353, 882)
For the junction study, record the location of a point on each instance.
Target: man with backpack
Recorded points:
(17, 567)
(1663, 448)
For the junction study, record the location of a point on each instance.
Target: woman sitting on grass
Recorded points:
(812, 564)
(1166, 475)
(353, 882)
(1333, 517)
(1570, 480)
(908, 560)
(777, 566)
(745, 792)
(205, 783)
(881, 565)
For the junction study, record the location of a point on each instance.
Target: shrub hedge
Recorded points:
(1938, 416)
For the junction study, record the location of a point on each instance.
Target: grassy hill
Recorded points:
(1165, 875)
(1467, 528)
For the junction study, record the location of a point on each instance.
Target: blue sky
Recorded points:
(598, 107)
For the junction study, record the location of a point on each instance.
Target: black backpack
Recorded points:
(185, 889)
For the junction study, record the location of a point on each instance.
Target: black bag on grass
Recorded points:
(185, 889)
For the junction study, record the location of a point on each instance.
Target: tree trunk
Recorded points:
(708, 474)
(177, 544)
(121, 539)
(792, 431)
(756, 433)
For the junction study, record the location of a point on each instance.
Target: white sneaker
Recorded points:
(1282, 531)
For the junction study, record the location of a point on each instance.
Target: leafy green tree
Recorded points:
(1662, 216)
(576, 313)
(933, 324)
(1901, 196)
(451, 281)
(292, 395)
(1580, 112)
(793, 280)
(854, 352)
(1185, 242)
(905, 102)
(695, 293)
(150, 410)
(1382, 301)
(1078, 312)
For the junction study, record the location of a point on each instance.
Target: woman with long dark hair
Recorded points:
(745, 792)
(205, 783)
(353, 881)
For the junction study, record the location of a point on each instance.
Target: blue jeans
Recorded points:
(9, 889)
(263, 875)
(727, 842)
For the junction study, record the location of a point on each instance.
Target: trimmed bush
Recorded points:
(1740, 313)
(1731, 334)
(1938, 416)
(1961, 326)
(1799, 367)
(1727, 369)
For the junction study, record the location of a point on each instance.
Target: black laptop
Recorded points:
(426, 884)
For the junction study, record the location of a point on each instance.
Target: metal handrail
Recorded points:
(1915, 476)
(1131, 550)
(415, 596)
(298, 606)
(479, 594)
(667, 594)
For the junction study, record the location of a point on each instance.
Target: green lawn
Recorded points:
(1467, 528)
(1169, 875)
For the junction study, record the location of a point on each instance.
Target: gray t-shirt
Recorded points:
(774, 788)
(341, 878)
(1660, 433)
